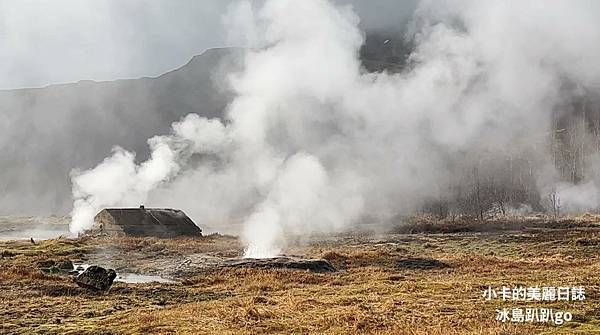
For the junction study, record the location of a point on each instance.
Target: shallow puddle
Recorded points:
(129, 277)
(135, 278)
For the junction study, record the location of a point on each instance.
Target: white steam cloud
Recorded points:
(313, 144)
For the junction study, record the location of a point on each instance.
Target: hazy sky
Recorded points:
(44, 42)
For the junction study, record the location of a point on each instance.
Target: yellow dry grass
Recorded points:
(369, 295)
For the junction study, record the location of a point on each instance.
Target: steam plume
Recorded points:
(313, 144)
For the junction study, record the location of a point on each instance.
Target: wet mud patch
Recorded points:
(414, 263)
(311, 265)
(588, 242)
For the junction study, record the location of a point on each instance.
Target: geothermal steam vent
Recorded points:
(156, 222)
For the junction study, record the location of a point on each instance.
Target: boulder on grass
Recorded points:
(96, 278)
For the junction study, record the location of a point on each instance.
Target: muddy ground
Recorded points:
(427, 278)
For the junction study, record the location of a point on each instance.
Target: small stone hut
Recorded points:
(155, 222)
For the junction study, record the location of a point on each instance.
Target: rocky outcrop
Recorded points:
(96, 278)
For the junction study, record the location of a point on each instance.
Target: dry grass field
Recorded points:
(427, 279)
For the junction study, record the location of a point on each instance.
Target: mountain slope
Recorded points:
(48, 131)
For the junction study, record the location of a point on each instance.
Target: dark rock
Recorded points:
(65, 265)
(45, 264)
(396, 278)
(96, 278)
(52, 269)
(312, 265)
(420, 263)
(6, 253)
(51, 266)
(586, 242)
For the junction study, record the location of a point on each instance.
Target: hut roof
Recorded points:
(151, 221)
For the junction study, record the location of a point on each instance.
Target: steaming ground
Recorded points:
(38, 227)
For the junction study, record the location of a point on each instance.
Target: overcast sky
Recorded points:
(44, 42)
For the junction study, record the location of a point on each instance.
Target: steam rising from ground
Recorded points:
(313, 144)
